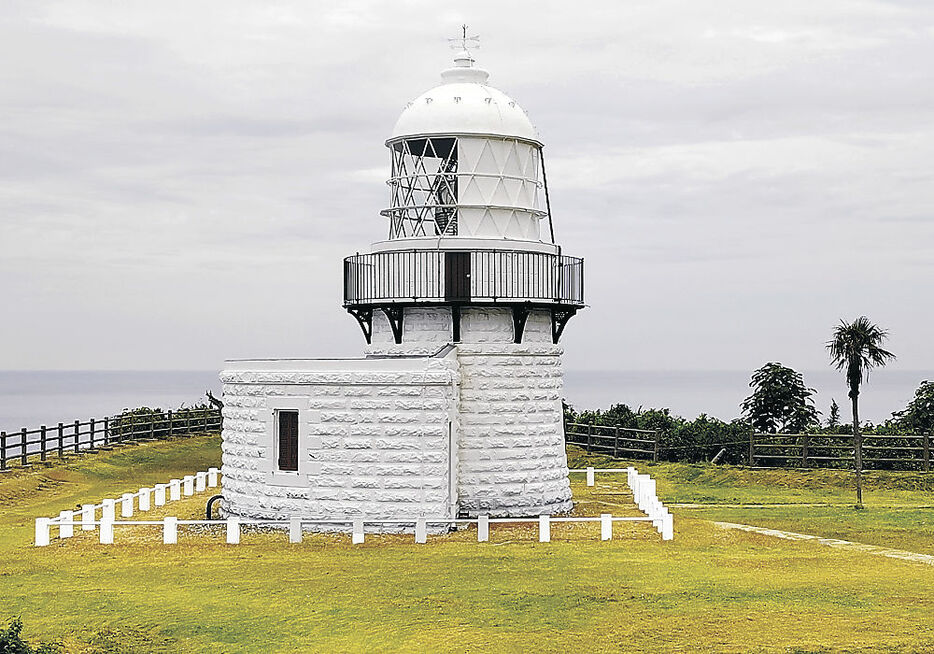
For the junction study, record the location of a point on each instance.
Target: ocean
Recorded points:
(32, 398)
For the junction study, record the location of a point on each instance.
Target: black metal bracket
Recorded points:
(520, 313)
(395, 316)
(364, 316)
(456, 323)
(559, 319)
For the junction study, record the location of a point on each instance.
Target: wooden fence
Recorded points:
(614, 440)
(880, 451)
(888, 452)
(91, 435)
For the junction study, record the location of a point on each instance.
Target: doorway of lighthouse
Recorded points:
(457, 276)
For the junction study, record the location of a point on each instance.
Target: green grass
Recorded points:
(709, 589)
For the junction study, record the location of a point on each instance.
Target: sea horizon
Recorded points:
(30, 398)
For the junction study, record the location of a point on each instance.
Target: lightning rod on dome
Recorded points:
(464, 42)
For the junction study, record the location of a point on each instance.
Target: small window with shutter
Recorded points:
(287, 436)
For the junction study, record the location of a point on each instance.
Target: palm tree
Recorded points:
(857, 348)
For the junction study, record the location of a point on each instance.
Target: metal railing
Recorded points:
(90, 435)
(490, 276)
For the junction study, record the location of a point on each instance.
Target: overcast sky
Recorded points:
(180, 180)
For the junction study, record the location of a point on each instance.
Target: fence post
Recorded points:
(804, 452)
(22, 454)
(655, 448)
(295, 530)
(3, 467)
(93, 427)
(616, 442)
(483, 528)
(171, 425)
(589, 436)
(357, 537)
(77, 432)
(42, 443)
(421, 530)
(606, 526)
(42, 532)
(106, 533)
(926, 451)
(61, 441)
(544, 529)
(752, 443)
(188, 423)
(170, 531)
(590, 476)
(106, 431)
(152, 426)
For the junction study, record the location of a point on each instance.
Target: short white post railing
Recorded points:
(421, 530)
(109, 510)
(87, 517)
(233, 530)
(66, 527)
(544, 529)
(107, 529)
(483, 528)
(295, 530)
(175, 490)
(126, 505)
(212, 477)
(189, 483)
(606, 526)
(160, 494)
(201, 482)
(590, 480)
(357, 537)
(42, 532)
(170, 530)
(145, 497)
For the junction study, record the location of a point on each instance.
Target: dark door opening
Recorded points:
(457, 276)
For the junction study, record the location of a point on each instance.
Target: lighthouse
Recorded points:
(455, 409)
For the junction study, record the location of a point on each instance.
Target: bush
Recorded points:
(11, 641)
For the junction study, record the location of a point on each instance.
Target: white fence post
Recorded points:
(212, 477)
(668, 527)
(483, 528)
(295, 530)
(233, 530)
(107, 529)
(145, 496)
(590, 476)
(126, 505)
(87, 517)
(421, 530)
(42, 532)
(175, 490)
(66, 526)
(170, 530)
(201, 482)
(606, 526)
(189, 482)
(544, 529)
(357, 536)
(160, 494)
(108, 510)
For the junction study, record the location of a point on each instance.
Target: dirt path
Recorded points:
(834, 542)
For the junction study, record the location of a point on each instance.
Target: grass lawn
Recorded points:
(709, 589)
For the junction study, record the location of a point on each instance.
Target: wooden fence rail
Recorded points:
(880, 451)
(92, 435)
(615, 440)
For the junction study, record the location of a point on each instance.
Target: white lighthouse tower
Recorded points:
(455, 409)
(471, 260)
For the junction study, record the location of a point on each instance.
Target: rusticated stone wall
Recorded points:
(511, 454)
(375, 438)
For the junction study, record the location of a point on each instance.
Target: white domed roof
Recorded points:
(464, 104)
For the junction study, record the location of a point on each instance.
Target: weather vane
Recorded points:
(464, 42)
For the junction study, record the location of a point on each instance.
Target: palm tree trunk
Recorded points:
(858, 451)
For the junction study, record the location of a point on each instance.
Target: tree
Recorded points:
(780, 402)
(834, 419)
(856, 347)
(918, 416)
